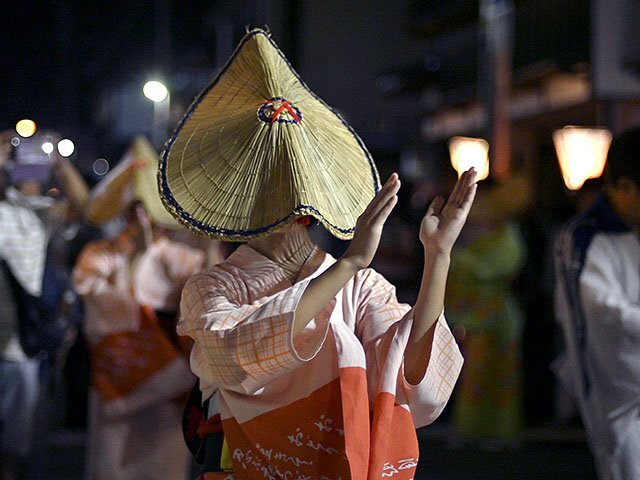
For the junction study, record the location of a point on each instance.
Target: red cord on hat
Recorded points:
(286, 104)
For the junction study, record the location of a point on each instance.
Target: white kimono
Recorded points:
(598, 306)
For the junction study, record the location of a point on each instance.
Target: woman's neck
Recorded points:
(289, 248)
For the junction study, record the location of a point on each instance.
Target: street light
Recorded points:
(155, 91)
(26, 128)
(582, 153)
(66, 147)
(159, 94)
(47, 147)
(467, 152)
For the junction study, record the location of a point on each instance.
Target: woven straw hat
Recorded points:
(257, 148)
(127, 183)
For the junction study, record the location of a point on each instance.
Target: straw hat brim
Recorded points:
(128, 183)
(145, 184)
(257, 148)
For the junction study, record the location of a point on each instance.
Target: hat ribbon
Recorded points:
(285, 105)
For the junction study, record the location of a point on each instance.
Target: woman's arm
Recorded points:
(359, 255)
(438, 232)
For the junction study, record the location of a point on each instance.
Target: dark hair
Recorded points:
(623, 159)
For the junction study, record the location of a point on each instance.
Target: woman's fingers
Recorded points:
(436, 206)
(469, 191)
(383, 213)
(380, 201)
(462, 188)
(470, 195)
(459, 192)
(456, 189)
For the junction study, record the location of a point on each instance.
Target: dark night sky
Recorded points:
(60, 57)
(57, 55)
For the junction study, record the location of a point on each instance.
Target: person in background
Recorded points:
(131, 288)
(483, 309)
(597, 304)
(28, 218)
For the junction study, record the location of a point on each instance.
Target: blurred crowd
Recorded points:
(89, 291)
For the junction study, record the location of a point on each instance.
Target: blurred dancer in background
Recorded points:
(482, 307)
(131, 288)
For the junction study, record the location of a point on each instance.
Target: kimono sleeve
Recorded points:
(101, 278)
(162, 272)
(241, 346)
(384, 326)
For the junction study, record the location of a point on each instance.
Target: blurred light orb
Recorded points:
(467, 152)
(26, 128)
(582, 153)
(101, 167)
(15, 141)
(155, 91)
(66, 147)
(47, 147)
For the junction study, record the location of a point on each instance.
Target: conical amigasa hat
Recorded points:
(125, 184)
(258, 148)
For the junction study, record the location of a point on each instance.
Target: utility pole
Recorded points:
(494, 69)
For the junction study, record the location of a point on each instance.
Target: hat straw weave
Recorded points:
(258, 148)
(127, 183)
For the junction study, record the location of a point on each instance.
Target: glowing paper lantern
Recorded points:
(582, 153)
(469, 152)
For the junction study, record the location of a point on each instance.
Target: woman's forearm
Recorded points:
(427, 310)
(359, 255)
(321, 290)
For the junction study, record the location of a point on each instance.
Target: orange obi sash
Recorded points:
(120, 362)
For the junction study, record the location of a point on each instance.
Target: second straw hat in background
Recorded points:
(134, 179)
(258, 148)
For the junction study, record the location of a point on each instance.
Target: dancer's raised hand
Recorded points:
(366, 237)
(443, 222)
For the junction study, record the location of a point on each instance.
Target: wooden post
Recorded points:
(494, 68)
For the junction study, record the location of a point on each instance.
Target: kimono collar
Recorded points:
(254, 263)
